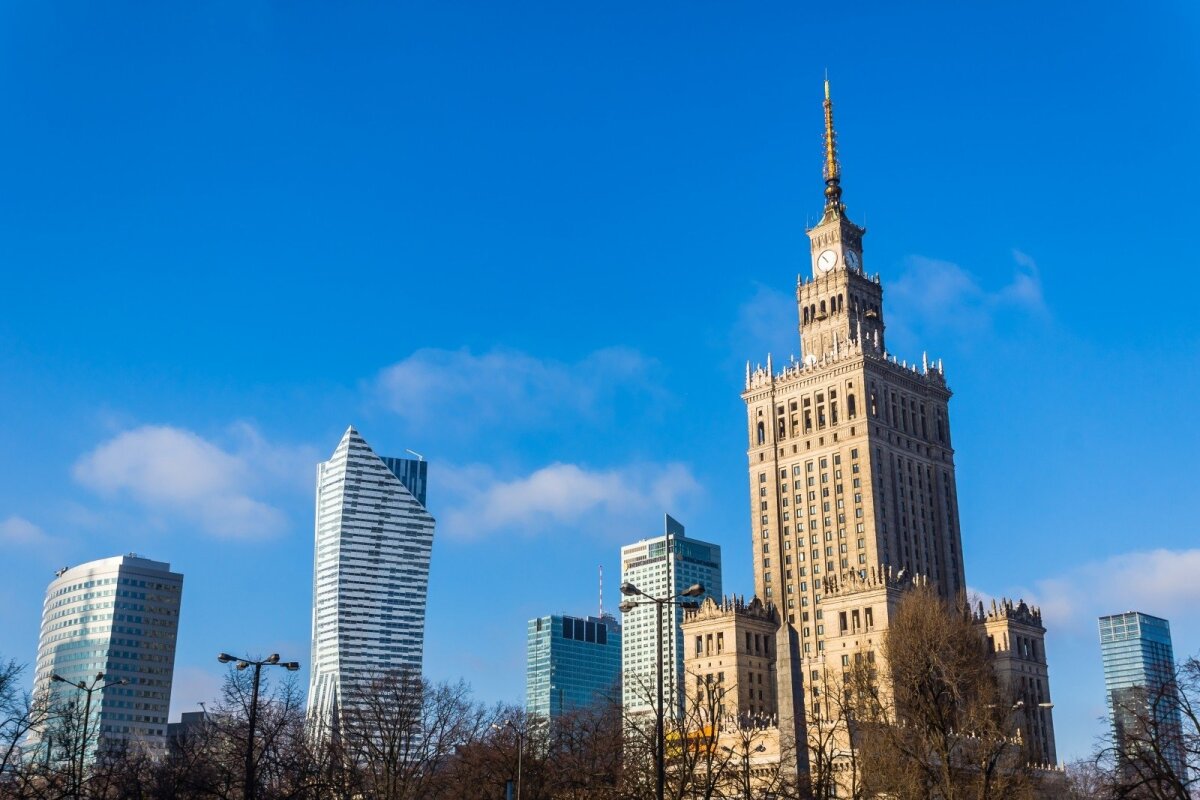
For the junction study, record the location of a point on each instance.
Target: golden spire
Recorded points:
(833, 170)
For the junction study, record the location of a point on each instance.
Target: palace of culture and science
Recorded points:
(853, 498)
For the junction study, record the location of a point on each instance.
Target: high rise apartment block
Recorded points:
(572, 663)
(661, 567)
(1139, 675)
(374, 537)
(117, 616)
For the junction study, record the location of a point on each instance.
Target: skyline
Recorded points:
(212, 273)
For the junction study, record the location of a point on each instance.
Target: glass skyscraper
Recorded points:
(374, 537)
(571, 663)
(662, 566)
(1139, 668)
(118, 616)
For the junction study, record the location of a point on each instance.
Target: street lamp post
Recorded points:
(87, 689)
(508, 723)
(630, 591)
(250, 788)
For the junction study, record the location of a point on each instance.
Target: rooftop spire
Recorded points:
(833, 170)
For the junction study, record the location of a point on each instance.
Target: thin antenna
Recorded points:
(415, 453)
(601, 590)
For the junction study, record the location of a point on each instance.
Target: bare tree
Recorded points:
(584, 759)
(1086, 780)
(31, 766)
(1153, 748)
(937, 722)
(831, 728)
(399, 733)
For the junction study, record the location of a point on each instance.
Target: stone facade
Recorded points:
(730, 652)
(853, 493)
(1017, 641)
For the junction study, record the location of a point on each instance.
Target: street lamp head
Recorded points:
(58, 678)
(224, 658)
(628, 589)
(292, 666)
(99, 676)
(273, 658)
(695, 590)
(241, 664)
(627, 606)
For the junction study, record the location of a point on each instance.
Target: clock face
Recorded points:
(852, 259)
(826, 260)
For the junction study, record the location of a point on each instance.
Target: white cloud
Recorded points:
(561, 496)
(940, 299)
(1159, 582)
(463, 391)
(179, 474)
(20, 532)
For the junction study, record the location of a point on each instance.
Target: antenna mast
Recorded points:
(601, 590)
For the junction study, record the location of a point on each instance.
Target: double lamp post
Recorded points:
(630, 592)
(87, 689)
(251, 783)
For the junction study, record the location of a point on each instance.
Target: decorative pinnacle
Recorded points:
(833, 170)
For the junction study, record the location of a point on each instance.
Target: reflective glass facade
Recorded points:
(118, 616)
(1138, 662)
(571, 663)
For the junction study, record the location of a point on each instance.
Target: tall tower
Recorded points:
(1139, 678)
(663, 566)
(118, 617)
(374, 537)
(850, 463)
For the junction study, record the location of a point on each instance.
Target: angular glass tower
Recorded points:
(1139, 670)
(662, 566)
(120, 617)
(374, 538)
(571, 663)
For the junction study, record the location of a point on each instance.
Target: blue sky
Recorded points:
(537, 243)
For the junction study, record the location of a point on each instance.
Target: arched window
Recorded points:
(822, 308)
(851, 409)
(762, 433)
(841, 303)
(804, 316)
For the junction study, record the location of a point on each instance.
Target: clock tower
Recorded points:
(853, 496)
(839, 305)
(851, 465)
